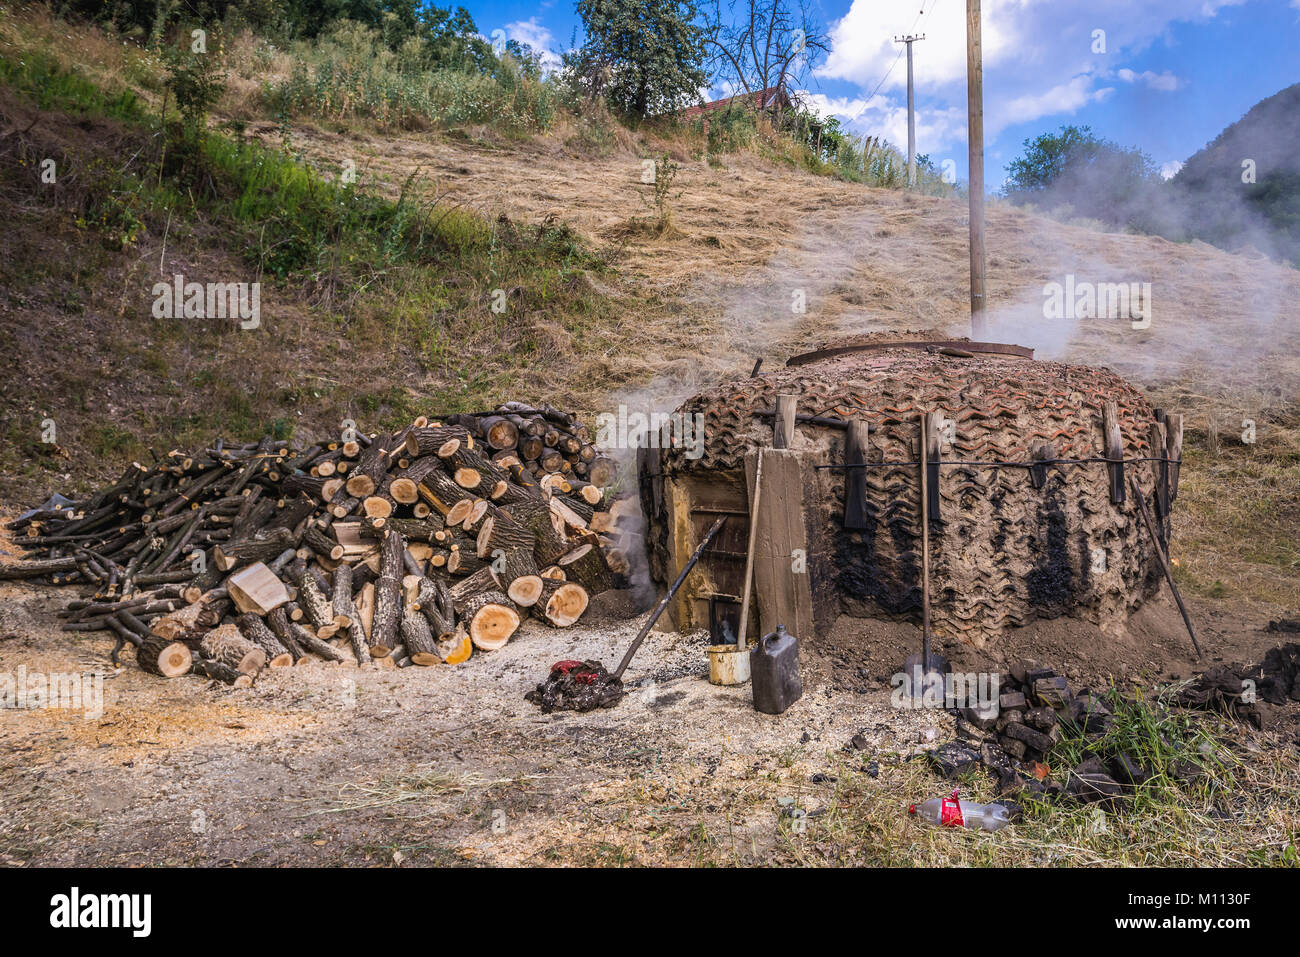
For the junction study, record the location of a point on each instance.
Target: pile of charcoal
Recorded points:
(1014, 741)
(577, 686)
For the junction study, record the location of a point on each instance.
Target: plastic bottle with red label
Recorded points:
(952, 812)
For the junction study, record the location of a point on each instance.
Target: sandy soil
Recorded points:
(326, 764)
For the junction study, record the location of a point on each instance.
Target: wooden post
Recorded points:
(933, 422)
(855, 480)
(756, 500)
(1161, 470)
(1041, 452)
(1174, 446)
(975, 138)
(1114, 444)
(783, 424)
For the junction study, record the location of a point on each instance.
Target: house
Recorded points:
(772, 98)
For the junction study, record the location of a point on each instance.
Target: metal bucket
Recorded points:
(728, 664)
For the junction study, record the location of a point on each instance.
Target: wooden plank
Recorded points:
(855, 480)
(782, 581)
(786, 417)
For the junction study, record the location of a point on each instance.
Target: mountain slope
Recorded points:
(1244, 186)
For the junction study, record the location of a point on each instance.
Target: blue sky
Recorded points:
(1174, 72)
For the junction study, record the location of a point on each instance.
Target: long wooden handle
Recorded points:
(659, 610)
(749, 554)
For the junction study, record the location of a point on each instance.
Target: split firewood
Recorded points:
(484, 579)
(207, 668)
(318, 610)
(418, 640)
(517, 570)
(300, 640)
(238, 554)
(300, 552)
(346, 613)
(257, 589)
(587, 566)
(388, 596)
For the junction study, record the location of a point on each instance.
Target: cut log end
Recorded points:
(525, 590)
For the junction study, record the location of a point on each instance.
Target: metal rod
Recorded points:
(659, 610)
(1164, 563)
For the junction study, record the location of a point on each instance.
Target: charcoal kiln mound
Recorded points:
(1010, 543)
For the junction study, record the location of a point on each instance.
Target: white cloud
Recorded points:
(537, 36)
(1039, 57)
(1170, 170)
(1165, 82)
(887, 117)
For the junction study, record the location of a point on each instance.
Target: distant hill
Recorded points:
(1222, 209)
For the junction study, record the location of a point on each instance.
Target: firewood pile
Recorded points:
(411, 548)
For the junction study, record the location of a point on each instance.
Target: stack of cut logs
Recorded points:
(407, 548)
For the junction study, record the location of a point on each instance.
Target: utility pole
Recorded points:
(911, 112)
(975, 136)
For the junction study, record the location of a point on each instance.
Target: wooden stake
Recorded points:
(783, 425)
(1164, 563)
(1114, 450)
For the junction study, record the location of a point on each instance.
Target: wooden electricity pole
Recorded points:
(911, 112)
(975, 135)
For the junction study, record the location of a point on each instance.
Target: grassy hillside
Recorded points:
(373, 305)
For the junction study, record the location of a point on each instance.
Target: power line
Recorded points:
(868, 100)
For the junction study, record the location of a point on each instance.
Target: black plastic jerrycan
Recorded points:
(774, 672)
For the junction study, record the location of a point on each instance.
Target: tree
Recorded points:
(759, 44)
(646, 57)
(1095, 177)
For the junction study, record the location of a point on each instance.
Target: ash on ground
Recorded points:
(577, 686)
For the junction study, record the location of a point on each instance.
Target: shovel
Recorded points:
(586, 685)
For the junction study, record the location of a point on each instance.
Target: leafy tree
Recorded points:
(1095, 177)
(645, 57)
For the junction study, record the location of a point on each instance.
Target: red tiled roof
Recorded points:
(758, 100)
